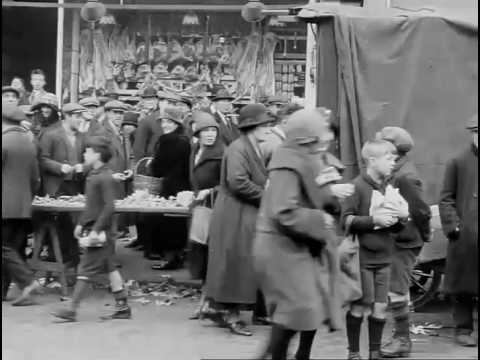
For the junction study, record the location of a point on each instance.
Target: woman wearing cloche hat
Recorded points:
(170, 162)
(205, 165)
(231, 281)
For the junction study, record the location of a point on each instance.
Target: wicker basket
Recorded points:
(143, 182)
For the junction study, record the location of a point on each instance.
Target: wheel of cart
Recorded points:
(426, 278)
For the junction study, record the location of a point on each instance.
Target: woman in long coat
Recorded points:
(171, 162)
(459, 216)
(296, 241)
(205, 166)
(231, 280)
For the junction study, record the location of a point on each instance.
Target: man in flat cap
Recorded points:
(10, 96)
(408, 242)
(221, 108)
(90, 115)
(459, 216)
(20, 179)
(62, 170)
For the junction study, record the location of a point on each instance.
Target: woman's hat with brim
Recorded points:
(203, 120)
(253, 115)
(11, 89)
(49, 100)
(13, 113)
(172, 113)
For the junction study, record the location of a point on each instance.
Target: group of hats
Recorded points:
(151, 92)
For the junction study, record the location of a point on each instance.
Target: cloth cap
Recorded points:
(149, 92)
(47, 99)
(115, 105)
(172, 113)
(90, 101)
(398, 136)
(13, 113)
(307, 125)
(253, 115)
(73, 108)
(222, 94)
(10, 89)
(472, 123)
(103, 100)
(203, 120)
(130, 118)
(277, 99)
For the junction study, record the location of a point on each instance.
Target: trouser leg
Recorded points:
(305, 345)
(463, 313)
(279, 341)
(260, 310)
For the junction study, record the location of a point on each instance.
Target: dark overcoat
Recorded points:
(228, 133)
(56, 150)
(20, 173)
(205, 173)
(459, 209)
(295, 247)
(147, 134)
(230, 276)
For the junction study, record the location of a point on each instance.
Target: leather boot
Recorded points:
(354, 356)
(397, 347)
(119, 314)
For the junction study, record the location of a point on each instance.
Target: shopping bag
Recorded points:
(200, 224)
(385, 203)
(349, 280)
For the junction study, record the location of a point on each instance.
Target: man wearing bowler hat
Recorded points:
(459, 216)
(221, 108)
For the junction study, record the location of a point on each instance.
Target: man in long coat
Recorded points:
(459, 216)
(220, 108)
(231, 280)
(20, 178)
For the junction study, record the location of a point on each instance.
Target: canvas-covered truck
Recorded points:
(414, 68)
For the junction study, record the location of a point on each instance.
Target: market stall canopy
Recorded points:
(395, 67)
(467, 17)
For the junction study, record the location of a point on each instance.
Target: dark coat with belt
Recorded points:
(295, 247)
(205, 173)
(459, 209)
(230, 276)
(417, 230)
(56, 150)
(228, 133)
(147, 134)
(20, 173)
(171, 162)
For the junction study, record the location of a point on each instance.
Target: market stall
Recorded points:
(140, 203)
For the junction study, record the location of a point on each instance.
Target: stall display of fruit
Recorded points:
(139, 199)
(61, 201)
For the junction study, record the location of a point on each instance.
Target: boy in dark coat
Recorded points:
(459, 216)
(408, 242)
(95, 233)
(374, 232)
(20, 178)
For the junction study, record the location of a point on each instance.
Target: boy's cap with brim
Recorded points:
(13, 113)
(90, 101)
(472, 123)
(115, 105)
(399, 137)
(6, 89)
(73, 108)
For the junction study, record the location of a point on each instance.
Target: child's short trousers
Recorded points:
(375, 285)
(96, 261)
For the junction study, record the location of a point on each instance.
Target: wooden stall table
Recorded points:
(48, 227)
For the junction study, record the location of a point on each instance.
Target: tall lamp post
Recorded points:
(92, 11)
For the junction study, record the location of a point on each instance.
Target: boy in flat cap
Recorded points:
(10, 96)
(94, 232)
(459, 216)
(408, 242)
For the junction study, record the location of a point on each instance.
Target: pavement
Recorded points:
(164, 332)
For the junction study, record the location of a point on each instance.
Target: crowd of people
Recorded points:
(270, 210)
